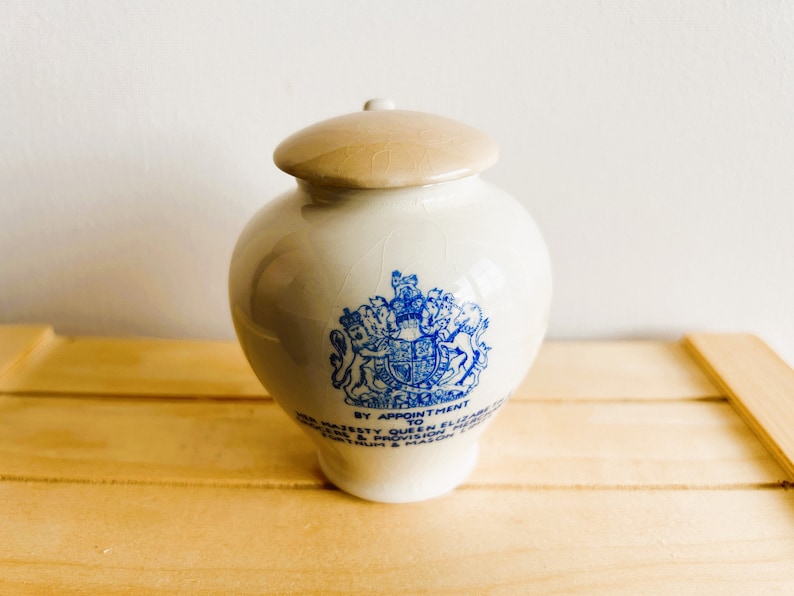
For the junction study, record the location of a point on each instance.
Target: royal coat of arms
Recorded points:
(414, 350)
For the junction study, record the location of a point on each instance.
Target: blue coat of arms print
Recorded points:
(411, 351)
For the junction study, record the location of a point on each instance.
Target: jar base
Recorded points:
(418, 486)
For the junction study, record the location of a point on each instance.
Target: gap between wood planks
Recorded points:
(266, 399)
(266, 485)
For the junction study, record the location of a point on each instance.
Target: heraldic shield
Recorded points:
(413, 363)
(412, 351)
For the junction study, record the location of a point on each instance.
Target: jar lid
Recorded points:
(385, 148)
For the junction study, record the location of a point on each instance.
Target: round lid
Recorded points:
(385, 148)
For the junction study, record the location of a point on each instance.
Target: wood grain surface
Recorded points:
(533, 445)
(18, 343)
(158, 367)
(160, 466)
(113, 538)
(759, 384)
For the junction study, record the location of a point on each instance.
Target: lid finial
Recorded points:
(378, 103)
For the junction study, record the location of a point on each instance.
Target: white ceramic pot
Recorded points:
(391, 302)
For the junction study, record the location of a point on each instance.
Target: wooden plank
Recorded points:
(758, 383)
(612, 370)
(17, 344)
(112, 539)
(138, 367)
(123, 440)
(530, 444)
(622, 444)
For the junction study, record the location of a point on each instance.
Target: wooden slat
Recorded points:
(123, 440)
(17, 344)
(759, 384)
(613, 370)
(138, 366)
(563, 371)
(112, 539)
(629, 444)
(541, 444)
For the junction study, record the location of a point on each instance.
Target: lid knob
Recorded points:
(377, 104)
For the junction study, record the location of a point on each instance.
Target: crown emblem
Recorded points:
(350, 319)
(408, 302)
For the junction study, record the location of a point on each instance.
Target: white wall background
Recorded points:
(652, 141)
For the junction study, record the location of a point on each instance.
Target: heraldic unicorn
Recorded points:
(415, 350)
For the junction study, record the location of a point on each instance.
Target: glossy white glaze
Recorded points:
(315, 251)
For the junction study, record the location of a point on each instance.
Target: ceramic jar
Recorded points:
(391, 302)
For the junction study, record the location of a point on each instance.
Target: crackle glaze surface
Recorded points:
(392, 324)
(386, 148)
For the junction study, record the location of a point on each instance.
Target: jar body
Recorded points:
(392, 324)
